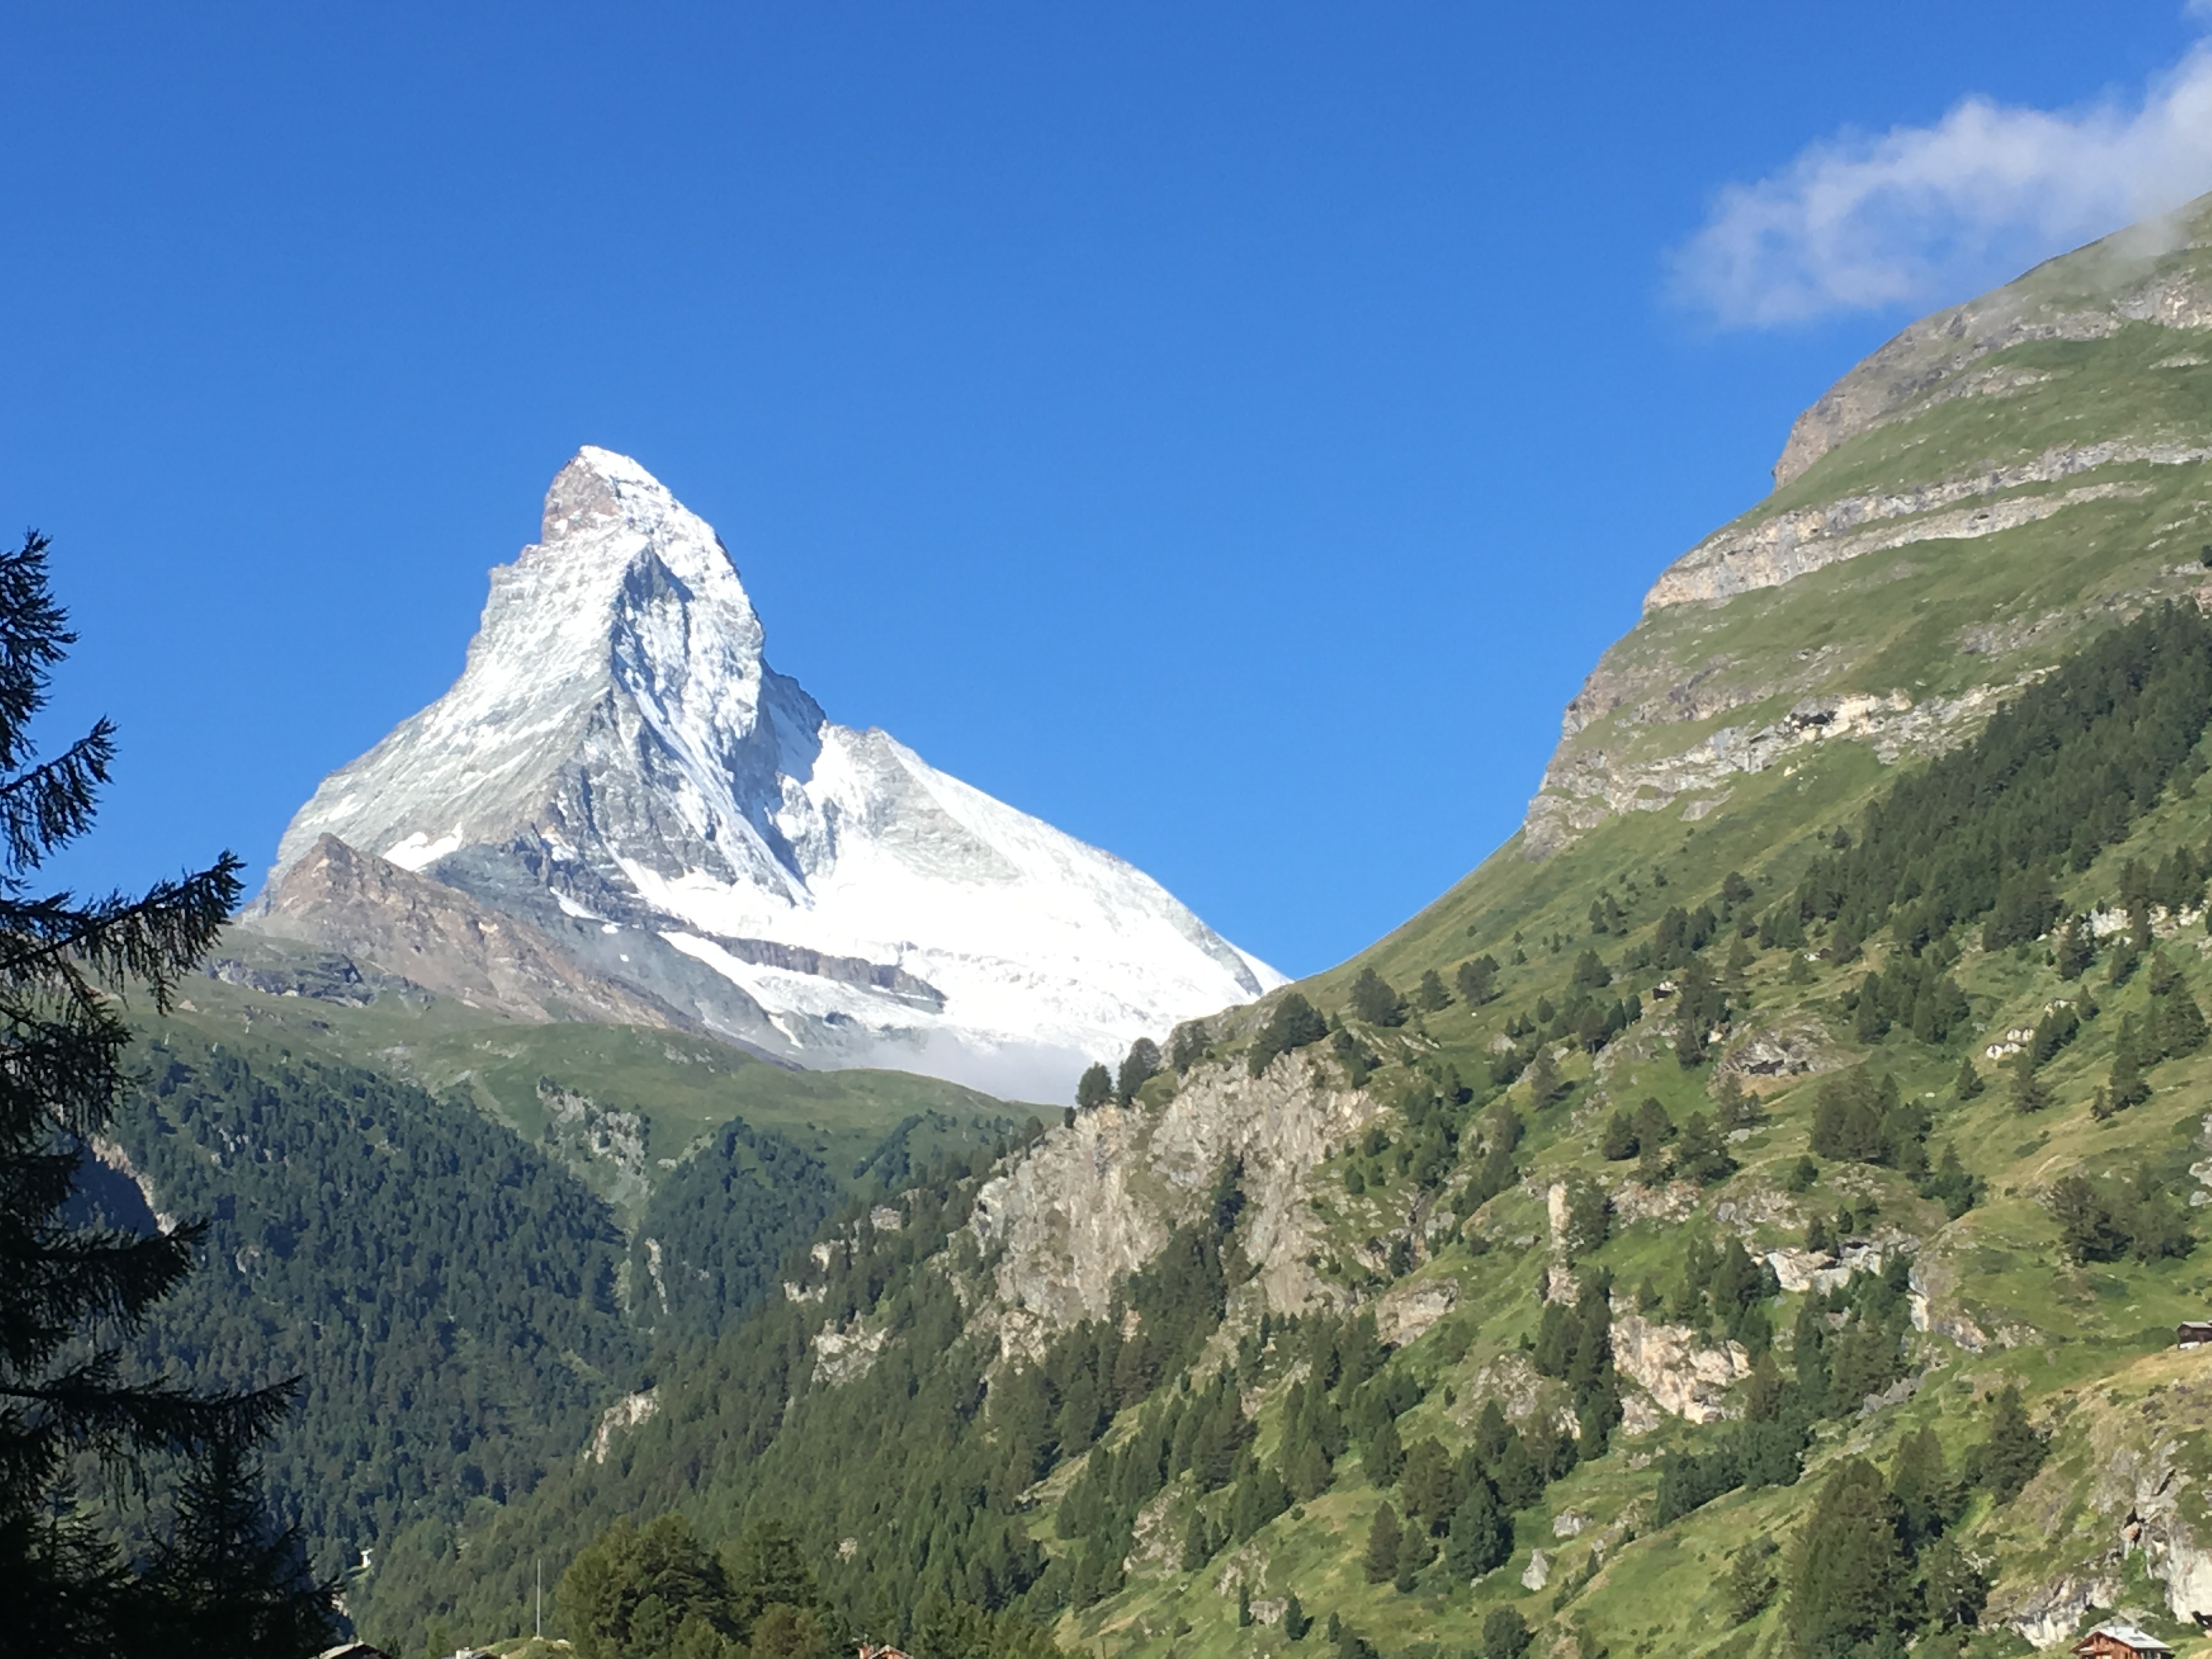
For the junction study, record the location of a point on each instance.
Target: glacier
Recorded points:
(618, 766)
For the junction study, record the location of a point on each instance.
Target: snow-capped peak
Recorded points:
(618, 764)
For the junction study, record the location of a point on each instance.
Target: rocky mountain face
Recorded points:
(1943, 519)
(621, 811)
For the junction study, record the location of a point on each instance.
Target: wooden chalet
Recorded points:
(2192, 1333)
(2119, 1639)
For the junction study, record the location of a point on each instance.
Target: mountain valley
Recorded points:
(1750, 1214)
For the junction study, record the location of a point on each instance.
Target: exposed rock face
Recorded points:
(1410, 1310)
(441, 938)
(1791, 544)
(619, 768)
(846, 1355)
(625, 1414)
(1673, 1363)
(1089, 1204)
(2148, 1486)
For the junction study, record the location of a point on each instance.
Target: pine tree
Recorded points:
(1505, 1634)
(2180, 1023)
(1545, 1082)
(1921, 1483)
(1142, 1061)
(224, 1584)
(1752, 1582)
(1969, 1083)
(1703, 1156)
(1953, 1589)
(1851, 1583)
(1382, 1563)
(66, 1292)
(1481, 1533)
(2029, 1093)
(1476, 981)
(2126, 1086)
(2077, 949)
(1376, 1001)
(1732, 1107)
(1425, 1486)
(1430, 996)
(1384, 1456)
(1094, 1088)
(2009, 1459)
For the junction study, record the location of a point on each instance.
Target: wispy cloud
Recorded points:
(1919, 216)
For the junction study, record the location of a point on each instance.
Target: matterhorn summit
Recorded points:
(621, 811)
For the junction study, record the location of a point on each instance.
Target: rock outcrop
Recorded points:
(438, 937)
(1089, 1204)
(1684, 1374)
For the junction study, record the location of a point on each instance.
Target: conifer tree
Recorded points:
(1849, 1591)
(1703, 1156)
(1384, 1456)
(2126, 1087)
(1751, 1581)
(1545, 1082)
(1376, 1001)
(1382, 1562)
(1430, 996)
(2181, 1028)
(1953, 1590)
(219, 1580)
(1481, 1533)
(1142, 1061)
(1732, 1107)
(2009, 1459)
(1476, 981)
(1969, 1083)
(2029, 1093)
(224, 1583)
(2076, 948)
(1425, 1483)
(1094, 1088)
(1505, 1634)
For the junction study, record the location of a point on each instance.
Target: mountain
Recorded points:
(669, 832)
(1749, 1214)
(1957, 507)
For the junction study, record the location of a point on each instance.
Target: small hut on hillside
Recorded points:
(2119, 1639)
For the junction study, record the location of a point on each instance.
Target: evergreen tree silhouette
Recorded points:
(69, 1294)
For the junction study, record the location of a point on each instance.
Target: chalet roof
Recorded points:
(2131, 1635)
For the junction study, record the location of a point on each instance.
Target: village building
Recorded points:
(2119, 1639)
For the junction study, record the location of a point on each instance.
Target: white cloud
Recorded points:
(1922, 215)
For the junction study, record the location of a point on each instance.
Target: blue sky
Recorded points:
(1229, 432)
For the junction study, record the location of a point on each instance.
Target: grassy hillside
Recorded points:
(864, 1125)
(1966, 1282)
